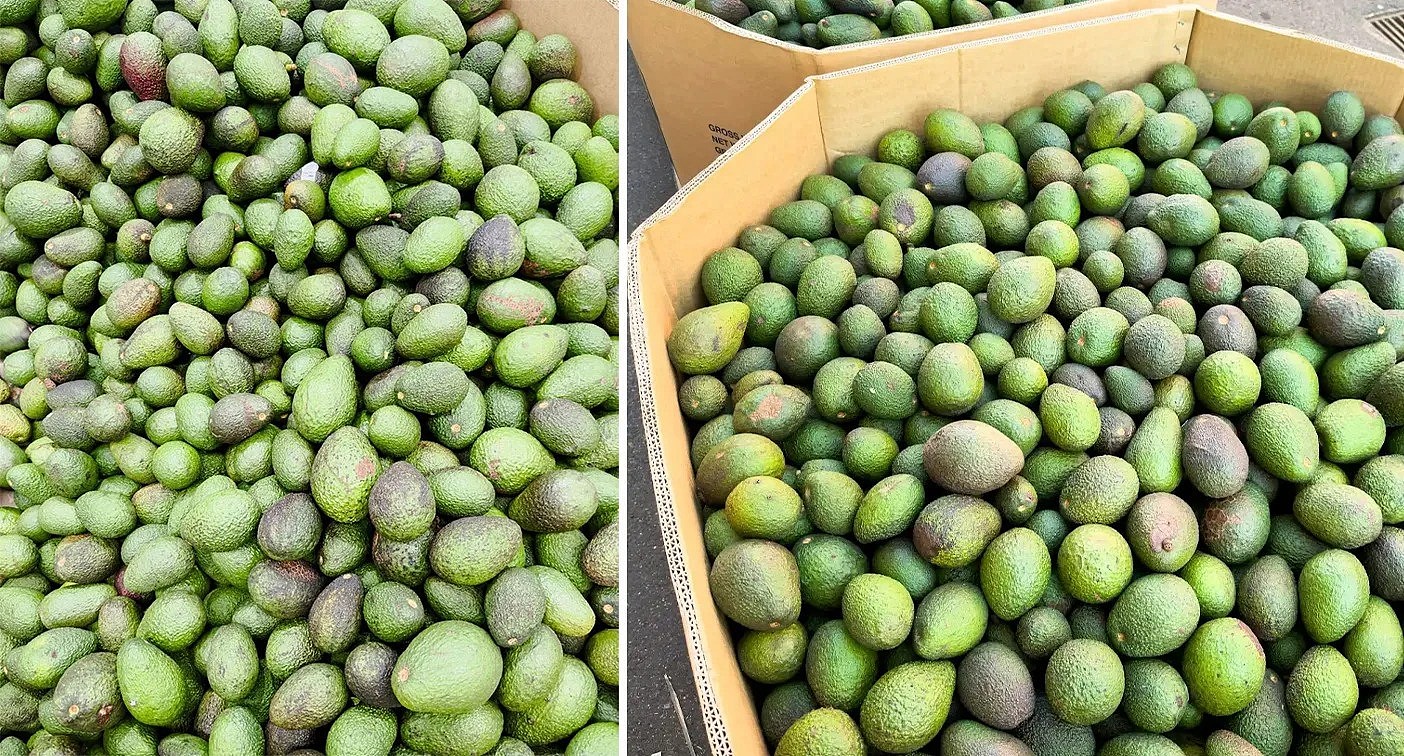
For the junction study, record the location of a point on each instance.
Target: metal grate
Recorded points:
(1390, 25)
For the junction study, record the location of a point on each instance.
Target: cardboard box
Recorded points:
(712, 81)
(843, 113)
(594, 28)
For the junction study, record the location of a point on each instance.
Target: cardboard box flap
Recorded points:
(666, 288)
(708, 77)
(720, 25)
(968, 74)
(1162, 38)
(725, 211)
(695, 65)
(1265, 63)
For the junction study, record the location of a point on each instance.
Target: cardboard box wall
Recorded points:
(593, 26)
(712, 81)
(844, 113)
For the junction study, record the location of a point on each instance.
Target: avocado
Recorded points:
(152, 684)
(756, 583)
(838, 668)
(423, 682)
(1213, 457)
(894, 719)
(1156, 696)
(1014, 572)
(703, 342)
(823, 729)
(995, 686)
(1085, 681)
(1320, 695)
(226, 365)
(1223, 666)
(950, 457)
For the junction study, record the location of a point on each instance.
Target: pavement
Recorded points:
(664, 717)
(663, 713)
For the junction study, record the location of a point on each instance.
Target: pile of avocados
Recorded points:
(308, 425)
(1080, 433)
(826, 23)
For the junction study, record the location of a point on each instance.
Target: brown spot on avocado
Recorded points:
(768, 409)
(364, 468)
(1217, 520)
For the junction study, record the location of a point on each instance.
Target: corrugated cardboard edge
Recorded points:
(689, 580)
(714, 80)
(710, 699)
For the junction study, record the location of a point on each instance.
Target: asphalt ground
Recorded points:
(664, 717)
